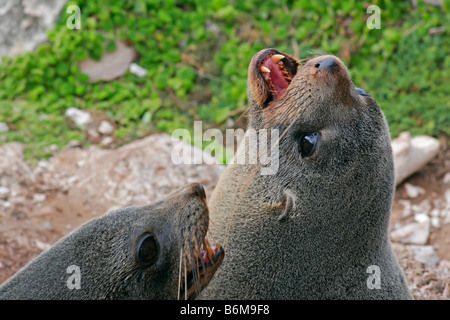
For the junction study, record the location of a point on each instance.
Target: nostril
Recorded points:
(327, 64)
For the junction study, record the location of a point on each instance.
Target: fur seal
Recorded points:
(157, 251)
(318, 227)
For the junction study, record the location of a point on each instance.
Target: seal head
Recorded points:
(318, 226)
(157, 251)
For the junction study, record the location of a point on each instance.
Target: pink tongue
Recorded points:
(207, 258)
(279, 83)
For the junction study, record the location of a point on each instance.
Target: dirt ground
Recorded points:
(40, 216)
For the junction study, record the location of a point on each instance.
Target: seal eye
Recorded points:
(361, 92)
(148, 250)
(308, 143)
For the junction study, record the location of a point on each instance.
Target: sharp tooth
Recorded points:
(277, 57)
(264, 69)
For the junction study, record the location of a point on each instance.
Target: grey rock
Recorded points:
(425, 254)
(112, 65)
(135, 174)
(15, 173)
(411, 154)
(4, 127)
(24, 24)
(412, 233)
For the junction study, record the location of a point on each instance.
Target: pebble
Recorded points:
(4, 127)
(407, 210)
(447, 196)
(421, 217)
(4, 192)
(106, 141)
(413, 191)
(105, 128)
(80, 117)
(137, 70)
(435, 222)
(39, 197)
(446, 179)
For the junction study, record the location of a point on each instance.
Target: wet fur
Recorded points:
(104, 249)
(343, 196)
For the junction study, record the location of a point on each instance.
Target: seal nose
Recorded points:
(326, 64)
(200, 190)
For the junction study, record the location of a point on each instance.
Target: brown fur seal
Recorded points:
(156, 251)
(318, 227)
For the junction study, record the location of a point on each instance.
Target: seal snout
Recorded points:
(328, 64)
(197, 189)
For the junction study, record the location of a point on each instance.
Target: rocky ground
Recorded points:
(39, 204)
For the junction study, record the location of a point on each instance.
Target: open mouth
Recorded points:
(277, 69)
(206, 262)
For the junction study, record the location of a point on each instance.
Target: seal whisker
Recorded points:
(194, 268)
(202, 262)
(179, 273)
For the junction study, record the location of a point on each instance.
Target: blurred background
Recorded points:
(196, 54)
(90, 92)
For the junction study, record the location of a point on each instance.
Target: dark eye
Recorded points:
(308, 143)
(148, 250)
(361, 92)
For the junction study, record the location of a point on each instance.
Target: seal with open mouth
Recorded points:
(157, 251)
(318, 227)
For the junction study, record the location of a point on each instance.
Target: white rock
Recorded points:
(446, 179)
(434, 213)
(39, 197)
(105, 127)
(421, 217)
(4, 127)
(411, 154)
(425, 254)
(4, 192)
(447, 196)
(435, 222)
(106, 141)
(80, 117)
(445, 215)
(413, 233)
(407, 209)
(137, 70)
(413, 191)
(42, 245)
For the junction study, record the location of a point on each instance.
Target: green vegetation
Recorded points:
(197, 54)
